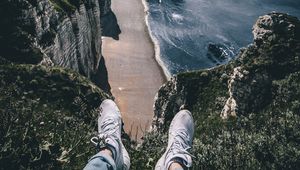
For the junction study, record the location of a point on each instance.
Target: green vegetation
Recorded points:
(265, 132)
(267, 139)
(68, 6)
(47, 117)
(48, 114)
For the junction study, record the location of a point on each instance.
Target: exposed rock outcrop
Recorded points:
(219, 53)
(53, 33)
(247, 112)
(47, 108)
(245, 83)
(105, 7)
(168, 100)
(249, 91)
(244, 89)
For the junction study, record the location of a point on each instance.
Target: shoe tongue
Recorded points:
(181, 140)
(109, 127)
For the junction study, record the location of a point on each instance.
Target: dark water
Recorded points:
(193, 34)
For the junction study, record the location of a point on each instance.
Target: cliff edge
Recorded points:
(47, 117)
(48, 110)
(52, 33)
(246, 112)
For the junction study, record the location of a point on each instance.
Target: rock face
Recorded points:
(48, 112)
(57, 33)
(219, 53)
(105, 7)
(247, 112)
(249, 91)
(163, 106)
(244, 89)
(245, 84)
(269, 28)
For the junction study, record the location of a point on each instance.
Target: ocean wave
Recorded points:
(182, 31)
(156, 43)
(177, 17)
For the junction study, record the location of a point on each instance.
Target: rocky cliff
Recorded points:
(246, 112)
(47, 108)
(246, 83)
(52, 32)
(105, 7)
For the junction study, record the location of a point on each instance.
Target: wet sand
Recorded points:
(133, 72)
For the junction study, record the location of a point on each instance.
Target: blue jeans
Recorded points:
(101, 161)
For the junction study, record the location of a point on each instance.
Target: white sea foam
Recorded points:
(156, 43)
(177, 17)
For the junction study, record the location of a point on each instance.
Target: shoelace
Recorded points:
(109, 127)
(180, 145)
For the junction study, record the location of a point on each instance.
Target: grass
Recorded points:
(67, 6)
(47, 117)
(48, 114)
(264, 134)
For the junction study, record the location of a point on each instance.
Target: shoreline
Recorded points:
(133, 71)
(155, 43)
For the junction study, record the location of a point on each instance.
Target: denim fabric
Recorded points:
(101, 161)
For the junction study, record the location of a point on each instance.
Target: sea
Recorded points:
(198, 34)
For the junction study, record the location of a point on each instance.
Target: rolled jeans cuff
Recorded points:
(101, 161)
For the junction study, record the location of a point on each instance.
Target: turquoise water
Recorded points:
(197, 34)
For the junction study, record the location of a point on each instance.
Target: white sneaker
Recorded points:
(109, 128)
(181, 134)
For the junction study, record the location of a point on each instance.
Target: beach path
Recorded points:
(133, 72)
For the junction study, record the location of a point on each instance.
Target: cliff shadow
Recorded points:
(110, 26)
(100, 78)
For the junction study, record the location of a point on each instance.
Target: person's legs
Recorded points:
(181, 134)
(101, 161)
(113, 154)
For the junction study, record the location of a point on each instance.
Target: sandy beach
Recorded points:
(133, 72)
